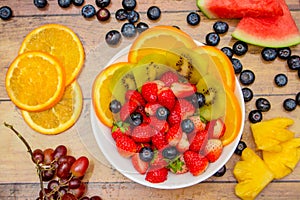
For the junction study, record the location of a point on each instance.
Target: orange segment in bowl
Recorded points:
(160, 37)
(101, 93)
(35, 81)
(233, 117)
(59, 41)
(61, 116)
(223, 64)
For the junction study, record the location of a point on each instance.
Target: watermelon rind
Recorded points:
(204, 10)
(275, 32)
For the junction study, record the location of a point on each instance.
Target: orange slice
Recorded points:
(159, 37)
(35, 81)
(223, 64)
(101, 93)
(61, 116)
(233, 117)
(59, 41)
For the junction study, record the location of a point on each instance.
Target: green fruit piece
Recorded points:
(188, 63)
(215, 97)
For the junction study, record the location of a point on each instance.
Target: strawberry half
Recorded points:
(182, 90)
(216, 128)
(198, 141)
(127, 109)
(198, 124)
(169, 77)
(195, 162)
(174, 134)
(151, 108)
(166, 98)
(157, 175)
(133, 95)
(126, 146)
(213, 149)
(149, 92)
(138, 164)
(159, 125)
(159, 140)
(142, 133)
(183, 144)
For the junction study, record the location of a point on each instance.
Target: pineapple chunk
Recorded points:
(252, 174)
(270, 133)
(283, 163)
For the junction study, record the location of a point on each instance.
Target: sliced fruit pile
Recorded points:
(41, 81)
(263, 23)
(280, 155)
(168, 108)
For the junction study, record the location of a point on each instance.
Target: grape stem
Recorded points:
(39, 169)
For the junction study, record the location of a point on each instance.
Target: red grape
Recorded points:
(48, 174)
(63, 170)
(69, 159)
(68, 196)
(80, 166)
(74, 183)
(38, 156)
(53, 185)
(95, 198)
(48, 156)
(60, 151)
(79, 192)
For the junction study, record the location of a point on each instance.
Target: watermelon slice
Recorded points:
(280, 31)
(239, 8)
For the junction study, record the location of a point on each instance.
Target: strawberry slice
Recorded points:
(195, 162)
(183, 144)
(157, 175)
(169, 77)
(173, 136)
(142, 133)
(151, 108)
(198, 124)
(126, 146)
(127, 109)
(216, 128)
(182, 90)
(213, 149)
(133, 95)
(138, 164)
(198, 141)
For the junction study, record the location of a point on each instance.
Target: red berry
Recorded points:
(128, 108)
(157, 175)
(149, 92)
(182, 90)
(138, 164)
(213, 149)
(126, 146)
(166, 98)
(198, 141)
(159, 140)
(173, 136)
(169, 77)
(142, 133)
(195, 162)
(134, 95)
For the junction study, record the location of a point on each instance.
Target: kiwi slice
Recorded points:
(190, 64)
(215, 97)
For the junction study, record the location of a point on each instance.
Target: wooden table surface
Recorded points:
(18, 179)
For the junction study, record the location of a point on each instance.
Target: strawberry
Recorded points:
(198, 141)
(184, 144)
(158, 160)
(169, 77)
(183, 108)
(198, 124)
(142, 133)
(134, 95)
(174, 116)
(159, 140)
(151, 108)
(159, 125)
(118, 129)
(138, 164)
(178, 166)
(216, 128)
(149, 92)
(128, 108)
(126, 146)
(195, 162)
(182, 90)
(157, 175)
(213, 149)
(166, 98)
(174, 134)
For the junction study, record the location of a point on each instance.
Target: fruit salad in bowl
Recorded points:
(167, 116)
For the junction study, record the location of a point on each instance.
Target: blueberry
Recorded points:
(240, 148)
(129, 4)
(247, 77)
(136, 119)
(170, 152)
(220, 172)
(284, 53)
(88, 11)
(212, 39)
(247, 94)
(115, 106)
(237, 65)
(239, 48)
(255, 116)
(263, 104)
(113, 37)
(5, 12)
(146, 154)
(133, 16)
(193, 18)
(281, 80)
(294, 62)
(269, 54)
(187, 125)
(102, 3)
(64, 3)
(162, 113)
(289, 104)
(103, 14)
(141, 27)
(220, 27)
(153, 13)
(297, 99)
(128, 30)
(78, 2)
(198, 100)
(121, 14)
(40, 3)
(227, 51)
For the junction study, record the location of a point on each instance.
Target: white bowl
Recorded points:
(123, 165)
